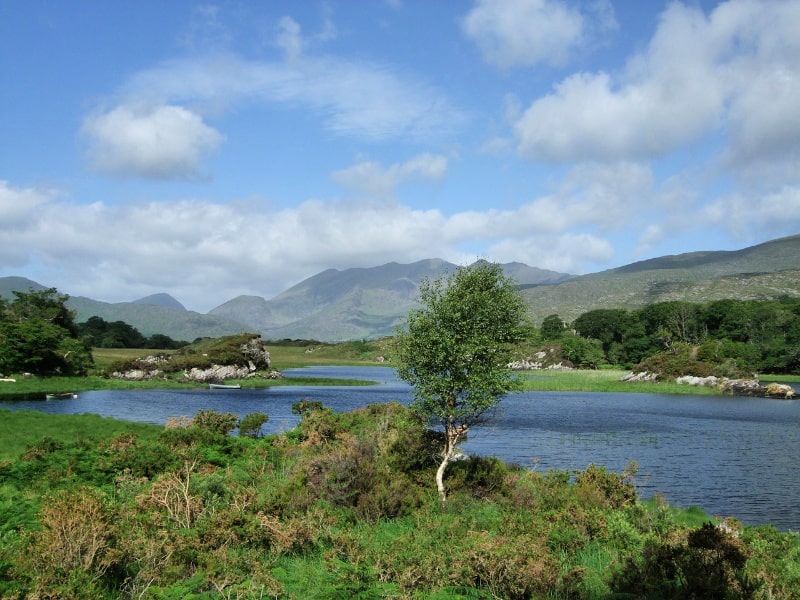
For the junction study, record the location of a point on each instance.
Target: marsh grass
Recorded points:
(20, 429)
(602, 380)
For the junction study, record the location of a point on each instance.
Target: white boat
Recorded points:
(224, 386)
(60, 396)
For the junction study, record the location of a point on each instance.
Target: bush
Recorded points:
(250, 425)
(708, 564)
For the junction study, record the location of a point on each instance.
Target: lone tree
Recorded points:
(456, 347)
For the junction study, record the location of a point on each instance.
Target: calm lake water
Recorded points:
(731, 456)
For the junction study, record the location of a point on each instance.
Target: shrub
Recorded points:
(603, 488)
(215, 422)
(708, 564)
(250, 425)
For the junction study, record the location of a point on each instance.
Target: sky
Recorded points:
(212, 149)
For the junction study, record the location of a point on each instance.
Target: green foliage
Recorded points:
(456, 347)
(99, 333)
(215, 422)
(38, 335)
(582, 352)
(250, 424)
(552, 327)
(188, 512)
(731, 336)
(709, 563)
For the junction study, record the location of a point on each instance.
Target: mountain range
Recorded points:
(367, 303)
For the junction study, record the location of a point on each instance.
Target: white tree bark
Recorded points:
(452, 433)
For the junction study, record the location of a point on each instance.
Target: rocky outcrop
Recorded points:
(735, 387)
(542, 360)
(641, 376)
(217, 373)
(256, 353)
(232, 357)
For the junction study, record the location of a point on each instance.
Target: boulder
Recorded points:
(217, 373)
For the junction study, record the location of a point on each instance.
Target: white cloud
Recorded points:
(736, 72)
(161, 142)
(289, 38)
(20, 209)
(372, 178)
(363, 99)
(567, 253)
(205, 253)
(773, 214)
(524, 32)
(18, 206)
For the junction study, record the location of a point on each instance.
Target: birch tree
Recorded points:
(455, 349)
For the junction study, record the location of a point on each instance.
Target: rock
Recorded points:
(136, 374)
(535, 364)
(256, 353)
(710, 381)
(780, 390)
(640, 376)
(741, 387)
(217, 373)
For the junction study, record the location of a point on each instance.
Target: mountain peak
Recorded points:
(164, 300)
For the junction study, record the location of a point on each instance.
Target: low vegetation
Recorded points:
(343, 506)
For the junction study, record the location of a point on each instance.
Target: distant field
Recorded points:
(284, 355)
(601, 380)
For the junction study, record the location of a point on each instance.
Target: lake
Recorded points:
(731, 456)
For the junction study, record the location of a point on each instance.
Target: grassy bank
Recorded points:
(601, 380)
(344, 506)
(20, 429)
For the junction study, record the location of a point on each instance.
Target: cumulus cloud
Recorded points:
(19, 210)
(567, 253)
(371, 177)
(735, 72)
(524, 32)
(181, 246)
(161, 142)
(774, 214)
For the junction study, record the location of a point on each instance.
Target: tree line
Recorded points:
(762, 336)
(118, 334)
(39, 335)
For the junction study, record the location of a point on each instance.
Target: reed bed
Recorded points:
(601, 380)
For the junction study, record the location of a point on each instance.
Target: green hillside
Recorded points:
(762, 272)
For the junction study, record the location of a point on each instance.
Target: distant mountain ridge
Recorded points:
(357, 303)
(766, 271)
(366, 303)
(162, 299)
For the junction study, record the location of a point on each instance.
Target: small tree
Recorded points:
(552, 327)
(456, 347)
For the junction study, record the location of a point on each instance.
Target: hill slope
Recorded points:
(765, 271)
(364, 303)
(159, 313)
(179, 324)
(354, 303)
(164, 300)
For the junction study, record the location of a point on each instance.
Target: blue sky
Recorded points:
(216, 149)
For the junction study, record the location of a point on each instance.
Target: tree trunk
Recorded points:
(440, 475)
(452, 434)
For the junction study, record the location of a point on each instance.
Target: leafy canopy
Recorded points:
(457, 344)
(38, 335)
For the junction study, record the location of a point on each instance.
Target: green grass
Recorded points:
(603, 380)
(21, 428)
(305, 354)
